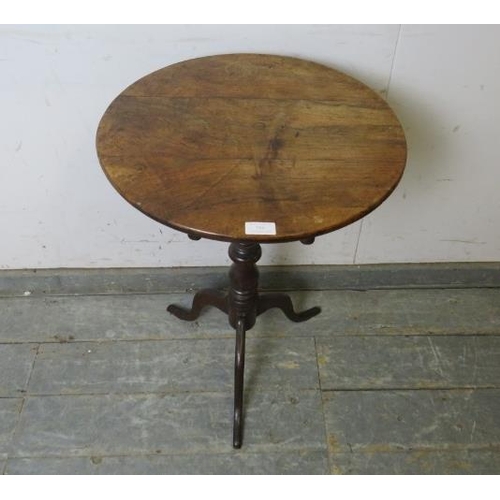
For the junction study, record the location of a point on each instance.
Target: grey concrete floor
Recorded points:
(382, 382)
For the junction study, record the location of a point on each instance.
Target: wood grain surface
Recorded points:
(208, 144)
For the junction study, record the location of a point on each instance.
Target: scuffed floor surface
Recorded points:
(381, 382)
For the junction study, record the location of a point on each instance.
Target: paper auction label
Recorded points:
(268, 228)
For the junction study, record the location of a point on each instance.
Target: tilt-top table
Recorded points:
(250, 149)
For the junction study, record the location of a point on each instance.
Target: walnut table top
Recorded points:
(209, 144)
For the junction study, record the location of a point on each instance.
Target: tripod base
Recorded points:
(242, 305)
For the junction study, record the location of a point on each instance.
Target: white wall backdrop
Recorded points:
(58, 210)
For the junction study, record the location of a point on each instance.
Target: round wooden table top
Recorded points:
(208, 145)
